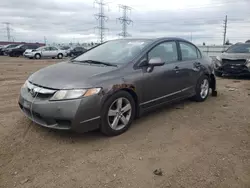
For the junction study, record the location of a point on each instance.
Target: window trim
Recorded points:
(197, 50)
(145, 55)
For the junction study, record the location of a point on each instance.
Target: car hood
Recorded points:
(68, 75)
(235, 56)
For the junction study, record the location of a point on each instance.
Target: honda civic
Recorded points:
(110, 85)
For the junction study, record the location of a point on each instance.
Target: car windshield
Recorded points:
(40, 48)
(18, 46)
(115, 52)
(12, 45)
(239, 48)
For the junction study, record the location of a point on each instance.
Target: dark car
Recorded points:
(111, 84)
(234, 61)
(5, 48)
(76, 51)
(19, 50)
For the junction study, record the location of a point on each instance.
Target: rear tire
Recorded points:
(60, 56)
(202, 89)
(117, 114)
(218, 74)
(37, 56)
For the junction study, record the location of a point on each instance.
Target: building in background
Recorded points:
(7, 42)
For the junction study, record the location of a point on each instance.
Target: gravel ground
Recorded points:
(196, 145)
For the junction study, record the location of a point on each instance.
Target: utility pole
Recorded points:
(8, 30)
(124, 20)
(191, 37)
(225, 30)
(101, 19)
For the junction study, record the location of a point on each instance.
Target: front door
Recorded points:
(46, 52)
(159, 81)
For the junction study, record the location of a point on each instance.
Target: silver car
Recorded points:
(45, 52)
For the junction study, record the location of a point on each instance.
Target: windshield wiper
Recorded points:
(95, 62)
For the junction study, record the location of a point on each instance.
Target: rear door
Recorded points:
(190, 65)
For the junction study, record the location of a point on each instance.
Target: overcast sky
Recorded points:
(73, 20)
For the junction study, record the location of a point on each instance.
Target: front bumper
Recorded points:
(231, 69)
(80, 115)
(25, 54)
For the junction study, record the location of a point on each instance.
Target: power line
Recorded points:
(124, 20)
(225, 30)
(101, 18)
(8, 30)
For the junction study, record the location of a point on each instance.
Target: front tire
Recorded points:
(202, 89)
(37, 56)
(59, 56)
(117, 114)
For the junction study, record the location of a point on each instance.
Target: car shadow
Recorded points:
(73, 137)
(97, 135)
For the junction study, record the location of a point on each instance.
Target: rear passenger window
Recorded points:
(167, 51)
(188, 51)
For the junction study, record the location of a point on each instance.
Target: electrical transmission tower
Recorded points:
(8, 30)
(101, 19)
(225, 31)
(124, 20)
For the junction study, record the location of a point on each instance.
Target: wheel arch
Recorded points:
(129, 88)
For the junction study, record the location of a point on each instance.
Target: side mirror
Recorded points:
(156, 61)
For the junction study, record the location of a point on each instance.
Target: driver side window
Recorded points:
(167, 51)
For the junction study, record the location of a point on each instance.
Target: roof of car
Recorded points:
(153, 39)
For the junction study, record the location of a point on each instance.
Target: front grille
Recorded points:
(39, 91)
(233, 62)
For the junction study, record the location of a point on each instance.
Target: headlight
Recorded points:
(74, 93)
(217, 61)
(25, 85)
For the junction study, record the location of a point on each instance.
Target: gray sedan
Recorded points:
(108, 86)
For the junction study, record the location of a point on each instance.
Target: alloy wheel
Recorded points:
(204, 88)
(119, 113)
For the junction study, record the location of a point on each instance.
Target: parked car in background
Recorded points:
(76, 51)
(7, 47)
(20, 49)
(45, 52)
(108, 86)
(64, 47)
(234, 61)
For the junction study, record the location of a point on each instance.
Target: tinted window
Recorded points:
(46, 48)
(167, 51)
(188, 51)
(31, 47)
(78, 48)
(53, 48)
(115, 51)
